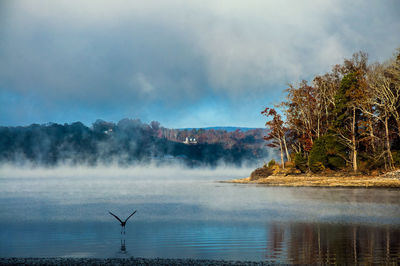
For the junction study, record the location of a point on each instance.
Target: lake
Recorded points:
(186, 213)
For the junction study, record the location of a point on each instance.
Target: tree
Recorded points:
(276, 133)
(384, 99)
(347, 114)
(327, 86)
(305, 112)
(328, 152)
(350, 96)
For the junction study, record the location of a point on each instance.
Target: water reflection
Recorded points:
(123, 246)
(332, 243)
(297, 243)
(122, 252)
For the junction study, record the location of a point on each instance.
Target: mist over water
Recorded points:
(130, 143)
(181, 212)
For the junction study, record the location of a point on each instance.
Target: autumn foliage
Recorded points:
(348, 118)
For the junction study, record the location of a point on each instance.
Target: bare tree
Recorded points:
(385, 99)
(277, 133)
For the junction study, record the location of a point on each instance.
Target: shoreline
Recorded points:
(123, 261)
(321, 181)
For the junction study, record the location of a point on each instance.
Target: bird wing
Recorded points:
(130, 216)
(116, 217)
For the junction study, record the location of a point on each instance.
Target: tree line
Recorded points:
(127, 142)
(251, 138)
(348, 118)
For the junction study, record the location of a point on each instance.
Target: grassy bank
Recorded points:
(322, 181)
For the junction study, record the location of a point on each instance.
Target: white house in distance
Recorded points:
(109, 131)
(190, 141)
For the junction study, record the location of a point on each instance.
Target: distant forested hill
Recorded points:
(128, 142)
(227, 129)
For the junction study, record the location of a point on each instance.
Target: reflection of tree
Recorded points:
(275, 245)
(331, 243)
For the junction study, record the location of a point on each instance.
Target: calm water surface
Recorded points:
(184, 213)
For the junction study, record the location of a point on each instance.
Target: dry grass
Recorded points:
(323, 181)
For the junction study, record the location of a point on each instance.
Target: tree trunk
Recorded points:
(355, 167)
(353, 144)
(327, 116)
(371, 134)
(390, 157)
(286, 149)
(398, 126)
(281, 150)
(385, 161)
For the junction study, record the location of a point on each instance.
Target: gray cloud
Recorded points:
(138, 56)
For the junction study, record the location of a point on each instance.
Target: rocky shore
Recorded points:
(118, 261)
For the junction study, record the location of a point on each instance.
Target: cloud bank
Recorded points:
(180, 62)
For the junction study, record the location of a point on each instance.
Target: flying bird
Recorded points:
(123, 223)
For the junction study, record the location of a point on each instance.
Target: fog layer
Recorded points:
(129, 142)
(179, 193)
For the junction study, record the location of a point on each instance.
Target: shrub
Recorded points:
(318, 155)
(367, 162)
(317, 167)
(328, 151)
(336, 162)
(261, 173)
(396, 158)
(300, 162)
(289, 164)
(335, 152)
(271, 163)
(364, 166)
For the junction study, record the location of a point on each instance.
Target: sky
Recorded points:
(182, 63)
